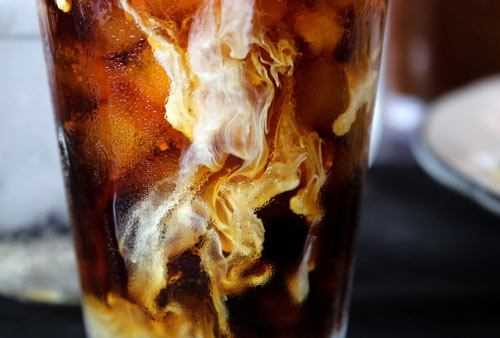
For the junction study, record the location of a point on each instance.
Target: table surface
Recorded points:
(427, 267)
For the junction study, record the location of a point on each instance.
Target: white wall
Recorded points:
(31, 186)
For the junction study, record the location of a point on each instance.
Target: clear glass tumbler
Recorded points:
(214, 152)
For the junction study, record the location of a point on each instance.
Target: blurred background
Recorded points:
(429, 243)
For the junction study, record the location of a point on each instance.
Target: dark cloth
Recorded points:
(428, 266)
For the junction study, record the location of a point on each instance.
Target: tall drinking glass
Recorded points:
(214, 153)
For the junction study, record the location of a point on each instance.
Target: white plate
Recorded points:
(459, 142)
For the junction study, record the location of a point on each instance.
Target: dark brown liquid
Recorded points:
(117, 145)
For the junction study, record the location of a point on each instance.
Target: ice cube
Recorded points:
(151, 80)
(166, 8)
(117, 34)
(320, 28)
(118, 138)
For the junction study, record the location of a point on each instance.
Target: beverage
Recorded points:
(214, 152)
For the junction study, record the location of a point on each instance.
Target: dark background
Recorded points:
(438, 45)
(427, 266)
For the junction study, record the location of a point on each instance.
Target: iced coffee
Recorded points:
(214, 153)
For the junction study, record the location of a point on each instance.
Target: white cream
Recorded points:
(221, 91)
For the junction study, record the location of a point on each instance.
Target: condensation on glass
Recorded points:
(214, 152)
